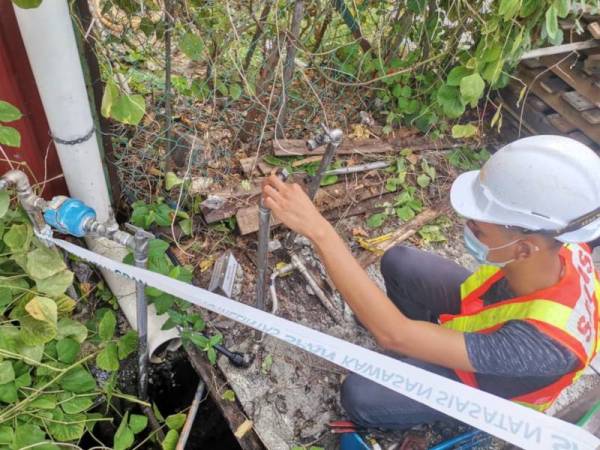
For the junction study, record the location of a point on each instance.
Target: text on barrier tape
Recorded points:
(509, 421)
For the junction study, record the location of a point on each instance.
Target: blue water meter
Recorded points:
(68, 215)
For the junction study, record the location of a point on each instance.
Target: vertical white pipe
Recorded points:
(49, 40)
(52, 50)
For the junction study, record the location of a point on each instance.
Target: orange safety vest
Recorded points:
(567, 312)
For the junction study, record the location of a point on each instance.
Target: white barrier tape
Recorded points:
(510, 421)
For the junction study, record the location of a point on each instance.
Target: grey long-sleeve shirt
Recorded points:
(516, 358)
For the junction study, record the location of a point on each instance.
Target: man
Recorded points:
(523, 326)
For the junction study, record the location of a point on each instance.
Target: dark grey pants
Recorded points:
(423, 286)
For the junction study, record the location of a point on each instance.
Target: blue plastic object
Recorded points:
(353, 441)
(69, 217)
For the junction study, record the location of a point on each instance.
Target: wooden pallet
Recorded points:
(561, 99)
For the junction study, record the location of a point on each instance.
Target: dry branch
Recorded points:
(404, 232)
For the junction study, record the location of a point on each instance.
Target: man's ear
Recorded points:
(525, 248)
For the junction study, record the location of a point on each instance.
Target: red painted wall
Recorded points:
(37, 154)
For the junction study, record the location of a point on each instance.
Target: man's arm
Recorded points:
(391, 329)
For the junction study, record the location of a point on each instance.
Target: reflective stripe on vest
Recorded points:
(568, 314)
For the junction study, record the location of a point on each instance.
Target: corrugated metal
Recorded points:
(37, 155)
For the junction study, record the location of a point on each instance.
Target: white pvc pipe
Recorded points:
(49, 39)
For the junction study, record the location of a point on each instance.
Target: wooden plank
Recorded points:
(594, 29)
(592, 116)
(536, 122)
(560, 123)
(591, 65)
(560, 106)
(577, 101)
(578, 81)
(552, 84)
(327, 198)
(536, 103)
(558, 49)
(580, 137)
(533, 63)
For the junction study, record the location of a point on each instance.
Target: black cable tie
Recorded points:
(77, 141)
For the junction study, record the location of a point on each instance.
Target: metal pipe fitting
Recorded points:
(264, 223)
(32, 204)
(332, 138)
(141, 239)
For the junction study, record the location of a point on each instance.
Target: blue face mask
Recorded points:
(480, 251)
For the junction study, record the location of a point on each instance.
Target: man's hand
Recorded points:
(290, 204)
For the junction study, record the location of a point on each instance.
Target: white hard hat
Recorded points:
(548, 184)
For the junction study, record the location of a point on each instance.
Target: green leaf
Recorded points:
(551, 23)
(191, 45)
(27, 4)
(129, 109)
(405, 213)
(8, 393)
(28, 435)
(228, 395)
(67, 349)
(212, 355)
(449, 99)
(235, 91)
(186, 226)
(44, 262)
(376, 220)
(509, 8)
(8, 113)
(127, 344)
(216, 339)
(66, 428)
(562, 9)
(23, 380)
(464, 131)
(56, 284)
(108, 358)
(7, 434)
(124, 437)
(39, 324)
(199, 340)
(18, 237)
(432, 233)
(111, 93)
(4, 203)
(7, 373)
(328, 180)
(73, 404)
(45, 401)
(9, 136)
(172, 180)
(71, 328)
(107, 326)
(457, 74)
(170, 441)
(176, 421)
(137, 423)
(471, 88)
(78, 380)
(266, 365)
(423, 180)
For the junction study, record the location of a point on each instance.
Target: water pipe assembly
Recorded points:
(71, 216)
(332, 138)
